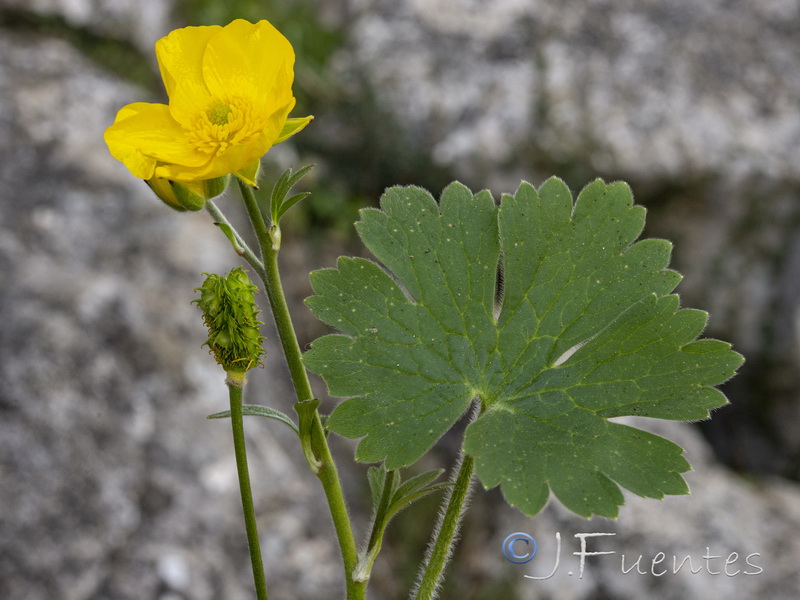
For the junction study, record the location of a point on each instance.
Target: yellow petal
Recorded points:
(275, 123)
(187, 101)
(233, 159)
(247, 58)
(180, 59)
(146, 132)
(281, 93)
(139, 164)
(293, 126)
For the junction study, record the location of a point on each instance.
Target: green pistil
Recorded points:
(218, 114)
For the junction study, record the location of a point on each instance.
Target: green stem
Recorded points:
(327, 474)
(446, 531)
(329, 477)
(235, 388)
(246, 252)
(256, 217)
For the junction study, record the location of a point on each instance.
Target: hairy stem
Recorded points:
(235, 389)
(243, 248)
(327, 474)
(444, 536)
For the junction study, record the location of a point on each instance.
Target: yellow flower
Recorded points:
(230, 94)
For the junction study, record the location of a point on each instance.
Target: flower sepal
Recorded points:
(293, 126)
(187, 195)
(250, 173)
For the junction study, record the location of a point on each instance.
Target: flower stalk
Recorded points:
(235, 386)
(239, 245)
(320, 455)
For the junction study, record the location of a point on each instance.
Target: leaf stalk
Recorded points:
(444, 537)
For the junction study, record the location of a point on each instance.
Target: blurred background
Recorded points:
(113, 486)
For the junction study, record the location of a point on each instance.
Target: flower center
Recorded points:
(226, 122)
(218, 114)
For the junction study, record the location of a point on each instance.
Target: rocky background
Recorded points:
(113, 486)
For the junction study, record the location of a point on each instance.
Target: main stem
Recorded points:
(235, 388)
(446, 532)
(327, 474)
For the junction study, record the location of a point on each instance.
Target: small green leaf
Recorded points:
(279, 191)
(256, 410)
(415, 489)
(305, 411)
(287, 180)
(387, 503)
(585, 329)
(418, 482)
(377, 478)
(403, 502)
(290, 202)
(292, 179)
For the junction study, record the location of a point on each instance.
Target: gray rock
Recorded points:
(140, 22)
(649, 89)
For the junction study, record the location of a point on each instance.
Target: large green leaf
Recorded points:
(583, 329)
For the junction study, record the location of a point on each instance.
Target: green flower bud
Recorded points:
(229, 311)
(187, 195)
(215, 187)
